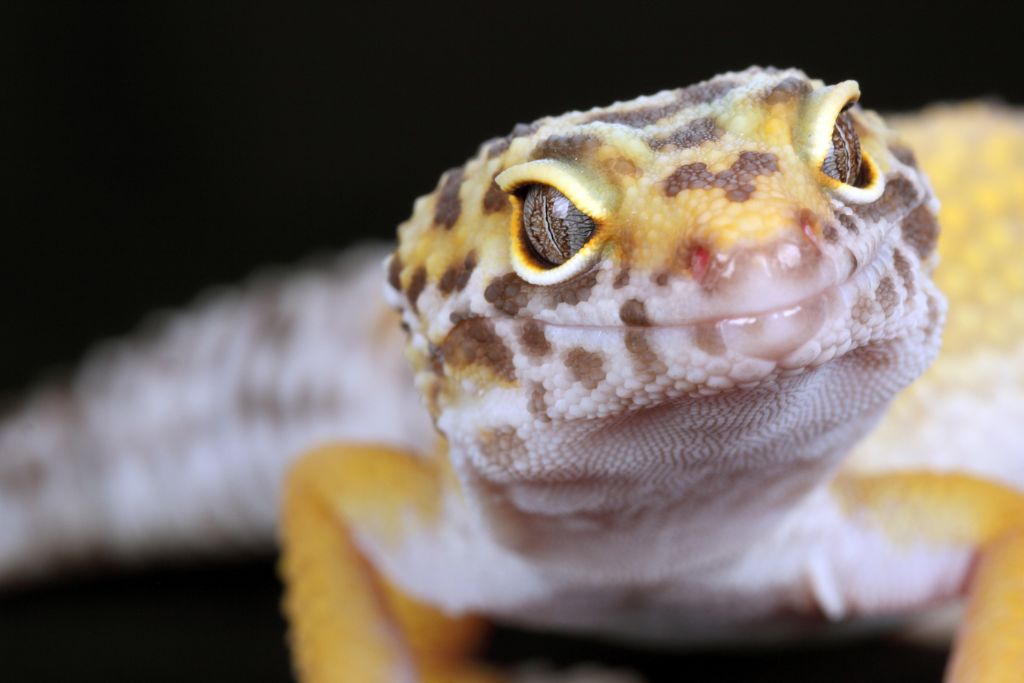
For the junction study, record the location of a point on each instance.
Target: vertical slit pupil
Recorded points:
(844, 161)
(554, 229)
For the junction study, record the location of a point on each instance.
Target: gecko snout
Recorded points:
(772, 297)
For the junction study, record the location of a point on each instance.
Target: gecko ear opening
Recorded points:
(829, 140)
(558, 210)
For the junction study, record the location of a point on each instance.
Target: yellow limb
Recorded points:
(955, 508)
(348, 623)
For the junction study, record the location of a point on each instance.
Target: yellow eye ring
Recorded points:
(589, 195)
(820, 114)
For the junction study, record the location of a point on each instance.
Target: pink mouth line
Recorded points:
(785, 310)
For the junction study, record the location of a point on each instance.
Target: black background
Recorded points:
(151, 150)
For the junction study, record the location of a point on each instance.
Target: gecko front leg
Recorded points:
(956, 508)
(348, 622)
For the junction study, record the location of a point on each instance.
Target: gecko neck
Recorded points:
(663, 481)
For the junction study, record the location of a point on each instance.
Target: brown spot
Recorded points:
(695, 176)
(886, 296)
(395, 272)
(787, 89)
(708, 339)
(644, 357)
(935, 316)
(521, 130)
(495, 199)
(899, 196)
(572, 147)
(416, 285)
(920, 231)
(706, 92)
(904, 155)
(533, 339)
(661, 279)
(862, 311)
(502, 446)
(621, 279)
(848, 222)
(574, 291)
(275, 325)
(876, 357)
(456, 277)
(737, 180)
(468, 265)
(436, 359)
(537, 405)
(508, 293)
(693, 134)
(633, 313)
(640, 117)
(474, 342)
(587, 367)
(447, 282)
(496, 146)
(449, 206)
(830, 234)
(905, 271)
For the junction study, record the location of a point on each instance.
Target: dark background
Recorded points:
(151, 150)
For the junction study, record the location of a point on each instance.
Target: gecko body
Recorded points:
(638, 427)
(651, 348)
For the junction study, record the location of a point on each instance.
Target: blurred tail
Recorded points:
(174, 442)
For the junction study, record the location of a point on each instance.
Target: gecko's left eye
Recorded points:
(844, 160)
(552, 225)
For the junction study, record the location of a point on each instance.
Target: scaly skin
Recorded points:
(665, 409)
(649, 440)
(968, 406)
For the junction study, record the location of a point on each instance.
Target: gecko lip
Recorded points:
(803, 289)
(770, 334)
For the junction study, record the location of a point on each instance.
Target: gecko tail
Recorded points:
(174, 442)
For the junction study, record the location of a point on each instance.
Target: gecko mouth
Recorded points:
(800, 298)
(770, 334)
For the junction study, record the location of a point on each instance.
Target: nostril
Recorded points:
(700, 259)
(809, 235)
(809, 226)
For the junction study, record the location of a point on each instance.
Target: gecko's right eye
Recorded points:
(552, 226)
(844, 160)
(837, 138)
(559, 221)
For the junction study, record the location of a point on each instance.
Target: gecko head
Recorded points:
(704, 240)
